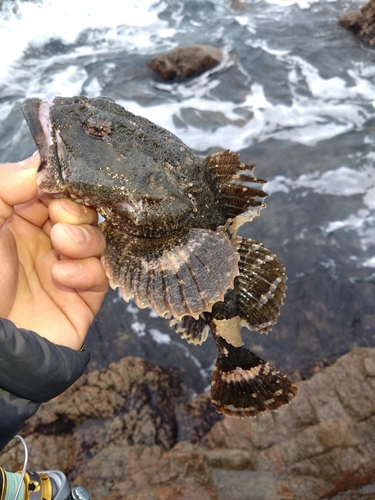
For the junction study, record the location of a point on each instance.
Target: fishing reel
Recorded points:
(42, 485)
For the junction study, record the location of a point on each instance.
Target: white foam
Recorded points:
(332, 106)
(363, 224)
(343, 181)
(93, 89)
(139, 328)
(369, 262)
(35, 23)
(369, 198)
(158, 337)
(302, 4)
(67, 82)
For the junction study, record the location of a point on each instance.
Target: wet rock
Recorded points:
(185, 62)
(238, 485)
(152, 473)
(365, 493)
(124, 433)
(362, 22)
(131, 398)
(350, 19)
(323, 442)
(238, 5)
(196, 418)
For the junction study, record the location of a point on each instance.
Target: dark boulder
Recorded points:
(185, 62)
(361, 22)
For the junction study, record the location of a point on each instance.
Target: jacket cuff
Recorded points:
(14, 411)
(34, 368)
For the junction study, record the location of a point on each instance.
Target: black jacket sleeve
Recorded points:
(32, 370)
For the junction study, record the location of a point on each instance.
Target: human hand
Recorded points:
(51, 277)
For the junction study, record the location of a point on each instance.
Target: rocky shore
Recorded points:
(127, 432)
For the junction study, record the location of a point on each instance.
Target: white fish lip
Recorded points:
(44, 120)
(52, 150)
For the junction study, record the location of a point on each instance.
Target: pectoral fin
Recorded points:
(182, 274)
(260, 287)
(254, 301)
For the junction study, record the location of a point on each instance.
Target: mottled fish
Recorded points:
(171, 221)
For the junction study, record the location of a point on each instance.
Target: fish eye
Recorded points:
(98, 125)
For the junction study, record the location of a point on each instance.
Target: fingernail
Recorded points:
(71, 269)
(73, 208)
(78, 233)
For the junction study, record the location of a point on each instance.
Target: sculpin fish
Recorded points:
(171, 221)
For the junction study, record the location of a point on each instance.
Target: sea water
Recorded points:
(294, 94)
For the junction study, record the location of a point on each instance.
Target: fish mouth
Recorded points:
(49, 175)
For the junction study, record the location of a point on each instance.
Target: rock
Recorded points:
(126, 432)
(196, 418)
(151, 473)
(323, 442)
(238, 5)
(349, 19)
(238, 485)
(185, 62)
(131, 398)
(362, 22)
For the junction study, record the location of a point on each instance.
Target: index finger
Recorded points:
(17, 181)
(17, 185)
(70, 212)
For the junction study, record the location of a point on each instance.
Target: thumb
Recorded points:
(17, 185)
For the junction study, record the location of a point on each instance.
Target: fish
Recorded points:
(244, 384)
(171, 223)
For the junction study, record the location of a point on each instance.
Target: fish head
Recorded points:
(97, 153)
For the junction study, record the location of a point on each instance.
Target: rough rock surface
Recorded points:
(361, 22)
(125, 433)
(185, 62)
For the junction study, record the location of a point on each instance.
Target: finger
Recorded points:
(45, 198)
(17, 185)
(17, 181)
(84, 275)
(33, 211)
(77, 242)
(64, 210)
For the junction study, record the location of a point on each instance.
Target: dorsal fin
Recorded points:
(242, 192)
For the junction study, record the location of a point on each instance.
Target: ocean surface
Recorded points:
(294, 94)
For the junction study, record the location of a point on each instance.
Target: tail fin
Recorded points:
(243, 384)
